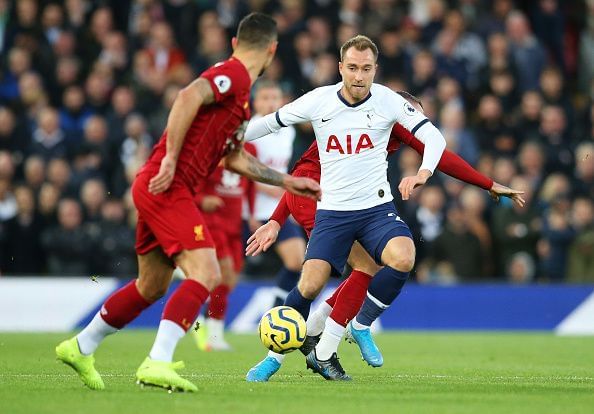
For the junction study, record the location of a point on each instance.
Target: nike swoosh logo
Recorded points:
(326, 120)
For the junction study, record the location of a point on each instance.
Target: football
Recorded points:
(282, 329)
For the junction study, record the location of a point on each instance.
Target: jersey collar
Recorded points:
(344, 101)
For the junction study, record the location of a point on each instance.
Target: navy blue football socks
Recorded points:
(298, 302)
(285, 281)
(383, 290)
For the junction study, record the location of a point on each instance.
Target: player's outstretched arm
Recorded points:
(455, 166)
(185, 107)
(243, 163)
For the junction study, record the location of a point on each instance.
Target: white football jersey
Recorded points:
(352, 141)
(274, 150)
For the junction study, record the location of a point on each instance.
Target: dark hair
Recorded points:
(360, 43)
(256, 30)
(411, 98)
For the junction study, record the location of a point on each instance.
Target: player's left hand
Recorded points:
(161, 182)
(408, 184)
(498, 190)
(262, 238)
(303, 186)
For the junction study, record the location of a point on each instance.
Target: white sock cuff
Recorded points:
(377, 301)
(279, 357)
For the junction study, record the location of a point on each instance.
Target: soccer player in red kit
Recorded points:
(203, 127)
(348, 297)
(221, 202)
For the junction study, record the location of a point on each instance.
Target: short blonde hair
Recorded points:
(361, 43)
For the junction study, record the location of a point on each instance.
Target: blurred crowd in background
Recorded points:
(86, 86)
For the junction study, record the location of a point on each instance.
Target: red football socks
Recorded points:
(123, 306)
(218, 302)
(350, 297)
(332, 299)
(185, 303)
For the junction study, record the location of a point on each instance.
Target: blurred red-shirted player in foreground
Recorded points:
(204, 126)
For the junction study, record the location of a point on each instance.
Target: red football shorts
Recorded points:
(229, 245)
(170, 220)
(303, 209)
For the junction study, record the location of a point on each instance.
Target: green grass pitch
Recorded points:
(423, 373)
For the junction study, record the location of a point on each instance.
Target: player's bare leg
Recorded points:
(399, 258)
(202, 271)
(210, 337)
(291, 252)
(119, 309)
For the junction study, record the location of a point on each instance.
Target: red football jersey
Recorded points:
(216, 129)
(233, 189)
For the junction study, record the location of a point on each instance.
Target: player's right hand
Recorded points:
(161, 182)
(303, 186)
(211, 203)
(262, 238)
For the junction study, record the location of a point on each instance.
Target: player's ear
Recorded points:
(234, 42)
(340, 67)
(272, 47)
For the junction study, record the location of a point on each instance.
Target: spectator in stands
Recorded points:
(123, 103)
(114, 241)
(492, 133)
(553, 91)
(59, 175)
(458, 139)
(8, 204)
(23, 230)
(458, 247)
(49, 140)
(68, 246)
(548, 21)
(474, 207)
(502, 85)
(584, 170)
(92, 195)
(47, 204)
(423, 78)
(527, 52)
(12, 137)
(581, 252)
(164, 55)
(531, 160)
(526, 121)
(34, 170)
(74, 113)
(19, 62)
(555, 139)
(557, 235)
(516, 229)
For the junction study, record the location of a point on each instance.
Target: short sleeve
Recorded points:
(406, 115)
(226, 79)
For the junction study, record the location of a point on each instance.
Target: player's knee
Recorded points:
(152, 291)
(210, 280)
(403, 263)
(309, 288)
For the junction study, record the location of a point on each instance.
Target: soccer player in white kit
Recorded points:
(275, 150)
(352, 121)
